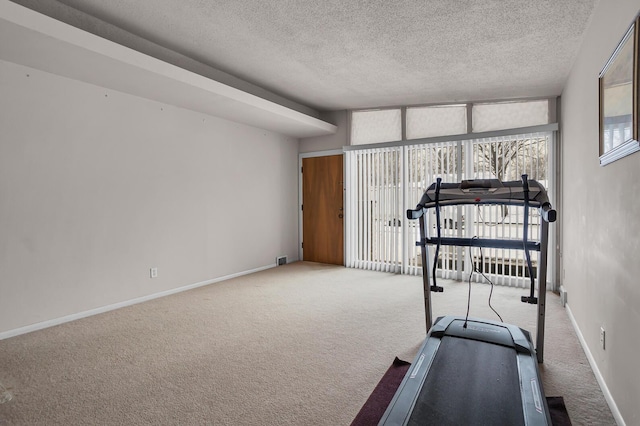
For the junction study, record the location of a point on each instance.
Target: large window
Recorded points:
(382, 183)
(454, 142)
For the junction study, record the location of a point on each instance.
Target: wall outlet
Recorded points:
(602, 341)
(153, 272)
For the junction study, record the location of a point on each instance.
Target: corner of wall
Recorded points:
(328, 142)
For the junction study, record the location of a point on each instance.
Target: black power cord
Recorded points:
(480, 271)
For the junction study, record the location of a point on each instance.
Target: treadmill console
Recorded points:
(480, 185)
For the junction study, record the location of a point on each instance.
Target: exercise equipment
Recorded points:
(473, 371)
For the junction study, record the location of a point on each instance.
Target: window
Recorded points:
(509, 115)
(425, 122)
(383, 180)
(382, 183)
(374, 126)
(420, 122)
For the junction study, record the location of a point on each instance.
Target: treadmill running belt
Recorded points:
(470, 383)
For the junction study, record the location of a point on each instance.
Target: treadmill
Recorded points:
(472, 371)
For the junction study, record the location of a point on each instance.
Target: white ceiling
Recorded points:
(40, 42)
(339, 54)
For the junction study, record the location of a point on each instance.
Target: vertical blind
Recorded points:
(374, 209)
(382, 183)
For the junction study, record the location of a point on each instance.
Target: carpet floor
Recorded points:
(301, 344)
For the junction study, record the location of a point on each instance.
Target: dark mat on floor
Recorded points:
(558, 411)
(372, 410)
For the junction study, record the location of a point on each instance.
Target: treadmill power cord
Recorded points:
(489, 223)
(480, 271)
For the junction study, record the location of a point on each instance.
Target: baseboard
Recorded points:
(605, 390)
(91, 312)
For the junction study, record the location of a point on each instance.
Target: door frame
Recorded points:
(300, 218)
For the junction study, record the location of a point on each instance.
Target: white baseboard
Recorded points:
(605, 390)
(84, 314)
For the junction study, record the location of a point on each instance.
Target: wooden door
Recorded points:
(322, 210)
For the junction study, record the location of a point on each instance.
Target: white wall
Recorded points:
(329, 142)
(98, 186)
(601, 220)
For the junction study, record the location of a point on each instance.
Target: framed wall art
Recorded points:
(618, 82)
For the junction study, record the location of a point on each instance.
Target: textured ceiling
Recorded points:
(330, 54)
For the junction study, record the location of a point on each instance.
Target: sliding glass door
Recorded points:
(382, 183)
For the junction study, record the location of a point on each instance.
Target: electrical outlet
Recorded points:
(153, 272)
(602, 341)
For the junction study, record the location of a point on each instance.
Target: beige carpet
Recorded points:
(301, 344)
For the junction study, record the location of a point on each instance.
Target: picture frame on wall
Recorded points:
(618, 83)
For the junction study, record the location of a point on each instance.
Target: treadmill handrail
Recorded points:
(509, 193)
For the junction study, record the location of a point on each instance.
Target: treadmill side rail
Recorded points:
(534, 402)
(401, 406)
